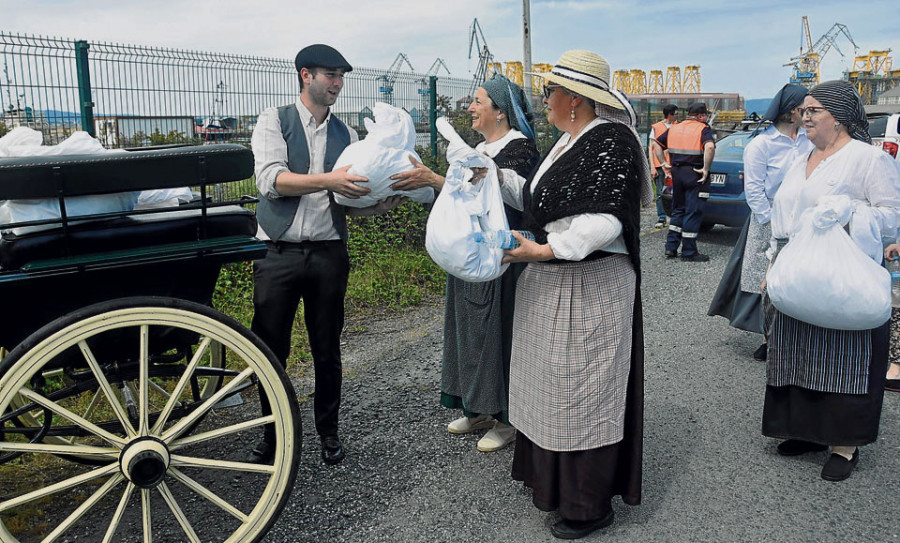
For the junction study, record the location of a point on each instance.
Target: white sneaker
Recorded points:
(498, 437)
(465, 425)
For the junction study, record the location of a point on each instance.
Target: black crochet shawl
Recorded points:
(520, 155)
(599, 174)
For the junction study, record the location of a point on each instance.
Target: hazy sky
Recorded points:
(740, 46)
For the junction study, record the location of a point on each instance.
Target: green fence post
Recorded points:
(432, 96)
(84, 86)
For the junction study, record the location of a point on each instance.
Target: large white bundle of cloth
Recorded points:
(462, 209)
(386, 150)
(26, 142)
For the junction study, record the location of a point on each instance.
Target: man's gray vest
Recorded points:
(276, 215)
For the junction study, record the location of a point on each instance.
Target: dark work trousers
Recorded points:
(315, 272)
(687, 210)
(660, 181)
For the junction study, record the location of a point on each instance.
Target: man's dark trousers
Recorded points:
(315, 272)
(687, 211)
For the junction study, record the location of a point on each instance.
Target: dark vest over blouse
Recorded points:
(276, 215)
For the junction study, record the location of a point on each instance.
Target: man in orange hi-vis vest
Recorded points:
(670, 113)
(691, 151)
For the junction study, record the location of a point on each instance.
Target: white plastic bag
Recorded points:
(23, 142)
(462, 209)
(822, 277)
(385, 151)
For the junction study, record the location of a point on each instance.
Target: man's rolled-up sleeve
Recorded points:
(269, 152)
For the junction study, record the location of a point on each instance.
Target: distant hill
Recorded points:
(758, 105)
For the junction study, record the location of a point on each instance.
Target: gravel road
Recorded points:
(709, 475)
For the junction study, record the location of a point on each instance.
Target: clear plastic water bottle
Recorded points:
(501, 239)
(893, 266)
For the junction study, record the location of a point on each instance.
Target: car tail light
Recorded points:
(890, 148)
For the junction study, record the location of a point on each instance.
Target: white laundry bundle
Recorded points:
(26, 142)
(462, 209)
(823, 277)
(385, 151)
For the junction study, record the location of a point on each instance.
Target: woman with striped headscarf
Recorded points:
(824, 386)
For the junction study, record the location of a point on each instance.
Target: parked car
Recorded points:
(885, 133)
(726, 204)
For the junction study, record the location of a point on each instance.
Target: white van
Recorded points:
(885, 133)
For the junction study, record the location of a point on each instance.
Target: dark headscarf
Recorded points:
(785, 100)
(511, 100)
(843, 102)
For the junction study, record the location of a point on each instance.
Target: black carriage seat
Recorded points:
(82, 175)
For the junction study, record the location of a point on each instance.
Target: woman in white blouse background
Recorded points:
(825, 387)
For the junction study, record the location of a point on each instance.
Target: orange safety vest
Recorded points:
(658, 130)
(685, 138)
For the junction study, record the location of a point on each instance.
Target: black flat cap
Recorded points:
(321, 56)
(697, 108)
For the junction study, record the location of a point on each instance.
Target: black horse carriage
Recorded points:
(127, 403)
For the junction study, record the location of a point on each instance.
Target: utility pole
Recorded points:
(526, 45)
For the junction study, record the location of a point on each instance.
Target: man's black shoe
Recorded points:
(696, 257)
(576, 529)
(760, 353)
(264, 453)
(796, 447)
(332, 450)
(671, 254)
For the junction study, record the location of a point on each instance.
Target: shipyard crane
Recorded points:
(806, 64)
(436, 67)
(386, 88)
(485, 58)
(425, 89)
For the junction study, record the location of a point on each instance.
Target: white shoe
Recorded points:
(465, 425)
(498, 437)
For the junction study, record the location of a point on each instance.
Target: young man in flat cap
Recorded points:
(691, 150)
(295, 148)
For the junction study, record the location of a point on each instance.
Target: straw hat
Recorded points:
(583, 72)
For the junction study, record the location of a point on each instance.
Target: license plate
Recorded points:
(717, 179)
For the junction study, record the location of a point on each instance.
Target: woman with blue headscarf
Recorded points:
(478, 316)
(766, 159)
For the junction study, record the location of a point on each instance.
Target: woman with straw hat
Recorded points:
(576, 376)
(478, 316)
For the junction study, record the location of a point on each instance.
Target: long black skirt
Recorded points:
(579, 484)
(793, 412)
(742, 309)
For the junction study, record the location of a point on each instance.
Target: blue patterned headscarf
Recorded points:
(511, 100)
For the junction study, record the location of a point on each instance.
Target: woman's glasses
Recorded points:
(548, 90)
(811, 110)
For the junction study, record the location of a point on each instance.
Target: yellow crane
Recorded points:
(806, 64)
(873, 74)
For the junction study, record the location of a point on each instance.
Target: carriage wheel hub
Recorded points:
(145, 461)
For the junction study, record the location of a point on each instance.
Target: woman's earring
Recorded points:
(572, 116)
(498, 121)
(837, 126)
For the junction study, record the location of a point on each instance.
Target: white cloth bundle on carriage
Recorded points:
(386, 149)
(26, 142)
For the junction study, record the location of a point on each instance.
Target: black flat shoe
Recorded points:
(264, 453)
(839, 468)
(760, 353)
(332, 450)
(696, 257)
(892, 384)
(796, 447)
(576, 529)
(671, 254)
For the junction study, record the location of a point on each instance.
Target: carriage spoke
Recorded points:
(179, 514)
(145, 515)
(208, 494)
(194, 416)
(120, 511)
(179, 388)
(65, 413)
(106, 388)
(95, 399)
(47, 448)
(194, 462)
(62, 485)
(221, 432)
(144, 391)
(82, 509)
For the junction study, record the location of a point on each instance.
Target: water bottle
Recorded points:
(501, 239)
(893, 266)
